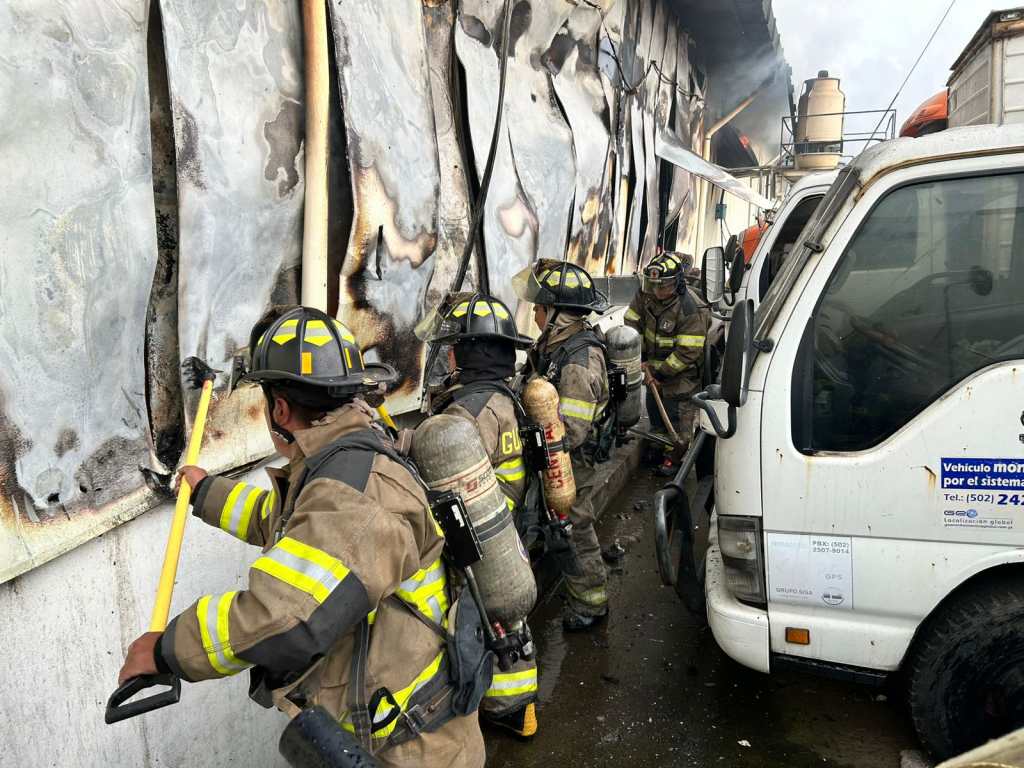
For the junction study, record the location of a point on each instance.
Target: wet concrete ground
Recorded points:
(651, 687)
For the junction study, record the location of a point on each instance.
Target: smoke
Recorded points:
(764, 74)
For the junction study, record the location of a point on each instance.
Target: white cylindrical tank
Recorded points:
(624, 350)
(819, 127)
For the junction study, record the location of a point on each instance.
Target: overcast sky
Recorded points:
(871, 45)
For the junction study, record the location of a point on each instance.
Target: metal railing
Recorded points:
(868, 126)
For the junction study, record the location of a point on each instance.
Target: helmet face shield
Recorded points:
(559, 284)
(650, 284)
(528, 288)
(435, 327)
(469, 316)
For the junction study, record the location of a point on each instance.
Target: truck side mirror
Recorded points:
(712, 275)
(735, 371)
(738, 349)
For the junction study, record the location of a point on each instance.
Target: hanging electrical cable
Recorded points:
(476, 223)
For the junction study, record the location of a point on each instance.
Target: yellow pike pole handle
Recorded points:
(123, 703)
(162, 605)
(386, 417)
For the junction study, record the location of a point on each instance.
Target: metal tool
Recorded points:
(656, 393)
(196, 373)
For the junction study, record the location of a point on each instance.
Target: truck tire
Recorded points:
(966, 670)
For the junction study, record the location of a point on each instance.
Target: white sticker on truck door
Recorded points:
(982, 493)
(810, 569)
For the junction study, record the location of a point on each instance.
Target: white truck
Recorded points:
(868, 505)
(986, 84)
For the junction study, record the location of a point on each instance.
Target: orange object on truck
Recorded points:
(749, 239)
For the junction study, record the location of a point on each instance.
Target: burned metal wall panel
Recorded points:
(638, 80)
(572, 61)
(385, 87)
(541, 140)
(510, 223)
(453, 206)
(235, 79)
(651, 90)
(616, 65)
(689, 122)
(76, 265)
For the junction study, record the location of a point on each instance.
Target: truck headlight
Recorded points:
(740, 541)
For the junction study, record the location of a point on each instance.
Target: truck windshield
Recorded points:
(808, 243)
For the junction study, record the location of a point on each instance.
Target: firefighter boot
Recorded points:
(522, 722)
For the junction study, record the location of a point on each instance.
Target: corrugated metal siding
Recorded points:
(970, 94)
(1013, 80)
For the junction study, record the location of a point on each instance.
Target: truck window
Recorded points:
(929, 290)
(791, 229)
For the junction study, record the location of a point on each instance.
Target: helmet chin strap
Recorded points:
(276, 428)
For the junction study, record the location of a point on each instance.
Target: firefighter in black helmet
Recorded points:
(343, 549)
(483, 339)
(673, 327)
(571, 354)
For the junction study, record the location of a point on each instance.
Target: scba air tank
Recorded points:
(540, 400)
(450, 457)
(623, 345)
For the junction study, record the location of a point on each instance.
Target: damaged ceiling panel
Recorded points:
(236, 93)
(79, 252)
(384, 81)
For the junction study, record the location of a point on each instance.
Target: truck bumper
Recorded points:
(739, 629)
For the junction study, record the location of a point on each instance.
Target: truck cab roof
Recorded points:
(945, 145)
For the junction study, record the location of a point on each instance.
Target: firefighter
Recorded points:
(483, 341)
(354, 549)
(673, 328)
(570, 353)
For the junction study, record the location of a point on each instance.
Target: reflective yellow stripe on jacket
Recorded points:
(303, 567)
(632, 314)
(513, 683)
(577, 409)
(237, 510)
(212, 612)
(268, 504)
(510, 471)
(689, 340)
(427, 591)
(401, 698)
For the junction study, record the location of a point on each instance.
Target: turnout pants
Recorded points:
(587, 593)
(512, 690)
(683, 413)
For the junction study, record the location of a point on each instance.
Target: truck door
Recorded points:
(893, 416)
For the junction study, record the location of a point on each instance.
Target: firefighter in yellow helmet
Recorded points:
(483, 340)
(348, 546)
(673, 327)
(570, 353)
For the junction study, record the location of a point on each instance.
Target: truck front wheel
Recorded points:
(966, 669)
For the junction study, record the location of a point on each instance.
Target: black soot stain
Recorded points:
(284, 136)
